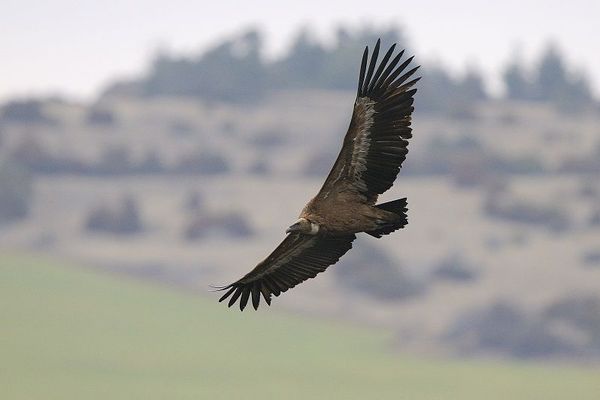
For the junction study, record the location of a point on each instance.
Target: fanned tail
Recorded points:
(398, 207)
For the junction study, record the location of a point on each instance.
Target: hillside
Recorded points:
(71, 333)
(504, 214)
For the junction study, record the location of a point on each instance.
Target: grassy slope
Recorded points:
(68, 333)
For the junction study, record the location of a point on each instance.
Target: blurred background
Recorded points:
(151, 149)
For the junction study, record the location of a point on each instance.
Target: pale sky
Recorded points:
(76, 47)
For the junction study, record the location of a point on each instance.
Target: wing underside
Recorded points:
(371, 157)
(298, 258)
(376, 142)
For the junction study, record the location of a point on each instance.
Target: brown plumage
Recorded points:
(371, 156)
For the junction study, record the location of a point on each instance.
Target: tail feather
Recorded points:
(398, 207)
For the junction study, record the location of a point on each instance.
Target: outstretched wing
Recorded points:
(298, 258)
(376, 142)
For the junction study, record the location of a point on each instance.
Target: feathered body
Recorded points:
(371, 156)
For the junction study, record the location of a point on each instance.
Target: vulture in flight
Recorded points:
(371, 156)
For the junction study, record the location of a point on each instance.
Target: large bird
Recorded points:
(372, 153)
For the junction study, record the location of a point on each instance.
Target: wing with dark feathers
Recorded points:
(298, 258)
(376, 142)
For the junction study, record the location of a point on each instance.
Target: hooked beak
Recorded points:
(292, 228)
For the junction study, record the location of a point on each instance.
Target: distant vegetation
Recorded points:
(466, 158)
(504, 328)
(229, 224)
(259, 167)
(522, 211)
(122, 218)
(199, 152)
(454, 268)
(594, 219)
(591, 258)
(581, 313)
(32, 152)
(115, 160)
(548, 80)
(194, 202)
(235, 70)
(28, 111)
(583, 163)
(203, 161)
(101, 117)
(568, 326)
(269, 138)
(367, 269)
(16, 192)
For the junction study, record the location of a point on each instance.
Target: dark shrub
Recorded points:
(226, 224)
(268, 138)
(504, 329)
(194, 202)
(203, 162)
(32, 154)
(259, 167)
(526, 165)
(150, 164)
(454, 268)
(16, 192)
(369, 270)
(581, 311)
(25, 111)
(594, 219)
(526, 212)
(591, 258)
(123, 218)
(589, 190)
(583, 164)
(115, 160)
(101, 117)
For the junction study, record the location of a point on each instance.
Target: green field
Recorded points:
(70, 333)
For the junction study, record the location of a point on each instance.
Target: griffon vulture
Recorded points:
(371, 156)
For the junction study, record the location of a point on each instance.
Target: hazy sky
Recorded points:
(76, 47)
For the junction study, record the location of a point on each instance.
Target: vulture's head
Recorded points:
(303, 226)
